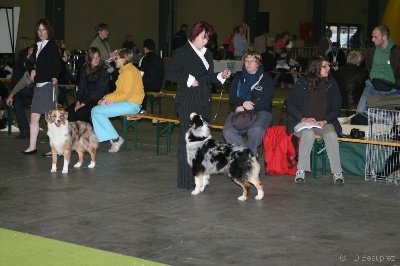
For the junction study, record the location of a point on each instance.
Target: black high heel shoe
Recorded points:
(29, 152)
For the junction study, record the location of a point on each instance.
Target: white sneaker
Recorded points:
(142, 112)
(338, 179)
(290, 86)
(115, 146)
(300, 177)
(282, 85)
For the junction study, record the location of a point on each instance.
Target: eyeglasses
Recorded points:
(250, 61)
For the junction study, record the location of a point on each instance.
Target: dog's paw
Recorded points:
(260, 195)
(242, 198)
(53, 170)
(91, 165)
(195, 192)
(77, 165)
(65, 171)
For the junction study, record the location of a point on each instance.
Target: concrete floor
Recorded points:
(129, 204)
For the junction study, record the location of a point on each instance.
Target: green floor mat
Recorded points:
(24, 249)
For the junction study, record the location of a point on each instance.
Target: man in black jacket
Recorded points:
(151, 67)
(336, 57)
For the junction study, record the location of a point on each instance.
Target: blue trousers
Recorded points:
(368, 91)
(100, 118)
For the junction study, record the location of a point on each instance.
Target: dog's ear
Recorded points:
(192, 115)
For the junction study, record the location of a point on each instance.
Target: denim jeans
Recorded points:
(368, 91)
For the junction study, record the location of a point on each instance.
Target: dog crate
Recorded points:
(383, 161)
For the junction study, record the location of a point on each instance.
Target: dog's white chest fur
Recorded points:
(59, 136)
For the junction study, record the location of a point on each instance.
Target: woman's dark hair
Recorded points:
(89, 57)
(47, 26)
(313, 71)
(198, 28)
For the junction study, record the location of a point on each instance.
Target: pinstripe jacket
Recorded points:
(185, 61)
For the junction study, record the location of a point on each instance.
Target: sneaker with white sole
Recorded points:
(300, 177)
(115, 146)
(338, 179)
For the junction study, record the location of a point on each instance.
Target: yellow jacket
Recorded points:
(129, 86)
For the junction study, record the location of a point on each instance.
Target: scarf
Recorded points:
(248, 81)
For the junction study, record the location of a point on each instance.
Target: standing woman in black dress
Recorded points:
(44, 68)
(192, 68)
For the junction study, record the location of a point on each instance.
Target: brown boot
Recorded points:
(23, 135)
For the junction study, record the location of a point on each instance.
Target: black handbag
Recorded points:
(244, 119)
(383, 85)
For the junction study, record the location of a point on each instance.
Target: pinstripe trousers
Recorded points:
(185, 178)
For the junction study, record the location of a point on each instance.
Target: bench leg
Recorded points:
(125, 125)
(161, 130)
(314, 160)
(318, 149)
(154, 100)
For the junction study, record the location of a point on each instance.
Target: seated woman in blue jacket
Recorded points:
(251, 89)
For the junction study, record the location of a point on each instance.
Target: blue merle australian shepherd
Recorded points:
(207, 156)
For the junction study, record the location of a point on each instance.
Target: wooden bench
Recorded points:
(165, 125)
(156, 97)
(319, 149)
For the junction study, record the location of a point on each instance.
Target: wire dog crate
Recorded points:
(383, 161)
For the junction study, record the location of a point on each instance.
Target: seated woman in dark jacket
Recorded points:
(252, 89)
(351, 78)
(315, 98)
(93, 85)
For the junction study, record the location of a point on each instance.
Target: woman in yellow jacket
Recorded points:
(126, 99)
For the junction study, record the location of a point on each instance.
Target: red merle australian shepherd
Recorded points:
(68, 136)
(207, 156)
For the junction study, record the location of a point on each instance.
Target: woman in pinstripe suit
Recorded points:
(192, 68)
